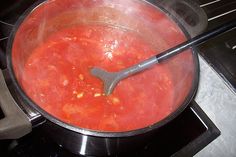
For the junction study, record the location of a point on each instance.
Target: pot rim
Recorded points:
(89, 132)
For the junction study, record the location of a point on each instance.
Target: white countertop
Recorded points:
(219, 102)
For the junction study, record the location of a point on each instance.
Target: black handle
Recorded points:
(196, 41)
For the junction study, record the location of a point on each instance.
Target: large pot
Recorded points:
(35, 25)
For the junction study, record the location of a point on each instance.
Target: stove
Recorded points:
(220, 52)
(184, 136)
(189, 133)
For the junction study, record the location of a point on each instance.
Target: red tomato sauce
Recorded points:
(57, 77)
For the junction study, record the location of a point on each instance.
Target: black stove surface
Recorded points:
(185, 136)
(220, 52)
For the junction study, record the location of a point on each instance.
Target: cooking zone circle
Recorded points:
(58, 43)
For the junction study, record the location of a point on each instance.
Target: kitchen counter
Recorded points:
(219, 102)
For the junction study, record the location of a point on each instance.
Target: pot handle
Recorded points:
(15, 124)
(188, 13)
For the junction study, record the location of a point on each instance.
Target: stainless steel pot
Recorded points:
(21, 113)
